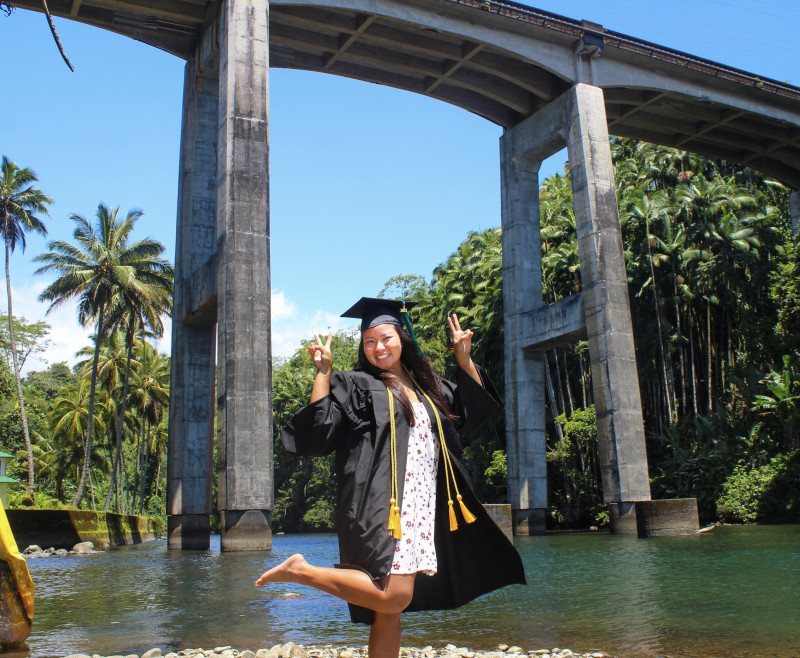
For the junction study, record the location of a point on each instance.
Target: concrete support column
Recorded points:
(191, 417)
(620, 426)
(244, 405)
(794, 204)
(524, 373)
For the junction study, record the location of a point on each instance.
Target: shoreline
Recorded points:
(292, 650)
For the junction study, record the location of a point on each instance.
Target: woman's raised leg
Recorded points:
(391, 596)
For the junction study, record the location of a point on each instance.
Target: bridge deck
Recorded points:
(502, 61)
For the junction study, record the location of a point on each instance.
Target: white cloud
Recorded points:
(66, 336)
(290, 328)
(280, 306)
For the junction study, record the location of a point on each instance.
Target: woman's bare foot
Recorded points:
(289, 571)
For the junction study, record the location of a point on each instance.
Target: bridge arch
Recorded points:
(549, 81)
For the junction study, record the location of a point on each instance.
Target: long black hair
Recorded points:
(418, 366)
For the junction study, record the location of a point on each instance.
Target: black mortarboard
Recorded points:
(373, 312)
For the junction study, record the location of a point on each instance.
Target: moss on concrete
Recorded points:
(65, 528)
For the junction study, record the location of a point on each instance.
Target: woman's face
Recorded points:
(382, 347)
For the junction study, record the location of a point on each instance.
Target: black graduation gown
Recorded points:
(354, 421)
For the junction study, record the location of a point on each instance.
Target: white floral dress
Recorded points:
(415, 550)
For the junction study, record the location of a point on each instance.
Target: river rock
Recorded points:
(502, 647)
(155, 652)
(262, 653)
(77, 655)
(83, 548)
(171, 654)
(514, 649)
(244, 654)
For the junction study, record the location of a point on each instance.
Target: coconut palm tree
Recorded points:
(95, 271)
(138, 315)
(149, 397)
(19, 203)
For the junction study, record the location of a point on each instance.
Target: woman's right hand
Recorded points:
(321, 354)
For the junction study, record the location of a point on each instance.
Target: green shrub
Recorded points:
(766, 491)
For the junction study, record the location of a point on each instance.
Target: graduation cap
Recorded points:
(373, 312)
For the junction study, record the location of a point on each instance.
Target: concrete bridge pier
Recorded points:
(191, 417)
(524, 372)
(244, 399)
(222, 282)
(600, 313)
(615, 379)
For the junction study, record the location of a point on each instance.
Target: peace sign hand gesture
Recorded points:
(321, 354)
(462, 339)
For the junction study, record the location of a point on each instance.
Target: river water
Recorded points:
(731, 592)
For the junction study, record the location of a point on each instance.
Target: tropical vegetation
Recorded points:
(714, 282)
(714, 287)
(98, 428)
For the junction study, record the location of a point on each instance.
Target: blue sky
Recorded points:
(367, 182)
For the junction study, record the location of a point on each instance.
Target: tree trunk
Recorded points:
(661, 352)
(17, 377)
(692, 363)
(112, 484)
(709, 343)
(552, 397)
(145, 468)
(124, 402)
(90, 422)
(560, 384)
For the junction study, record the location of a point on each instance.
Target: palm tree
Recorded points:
(19, 201)
(95, 272)
(150, 397)
(138, 314)
(69, 421)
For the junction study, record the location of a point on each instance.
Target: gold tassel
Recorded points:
(469, 517)
(397, 531)
(452, 513)
(394, 527)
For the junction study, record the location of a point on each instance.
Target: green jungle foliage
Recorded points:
(714, 285)
(714, 288)
(305, 487)
(100, 429)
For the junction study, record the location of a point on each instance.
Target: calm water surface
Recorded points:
(731, 592)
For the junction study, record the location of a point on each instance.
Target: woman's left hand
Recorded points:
(462, 343)
(462, 338)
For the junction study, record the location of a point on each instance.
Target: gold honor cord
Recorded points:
(449, 472)
(394, 511)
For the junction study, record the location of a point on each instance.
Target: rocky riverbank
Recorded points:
(291, 650)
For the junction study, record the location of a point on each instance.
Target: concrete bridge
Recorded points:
(551, 82)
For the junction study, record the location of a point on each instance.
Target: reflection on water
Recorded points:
(731, 592)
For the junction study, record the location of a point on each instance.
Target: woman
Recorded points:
(404, 507)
